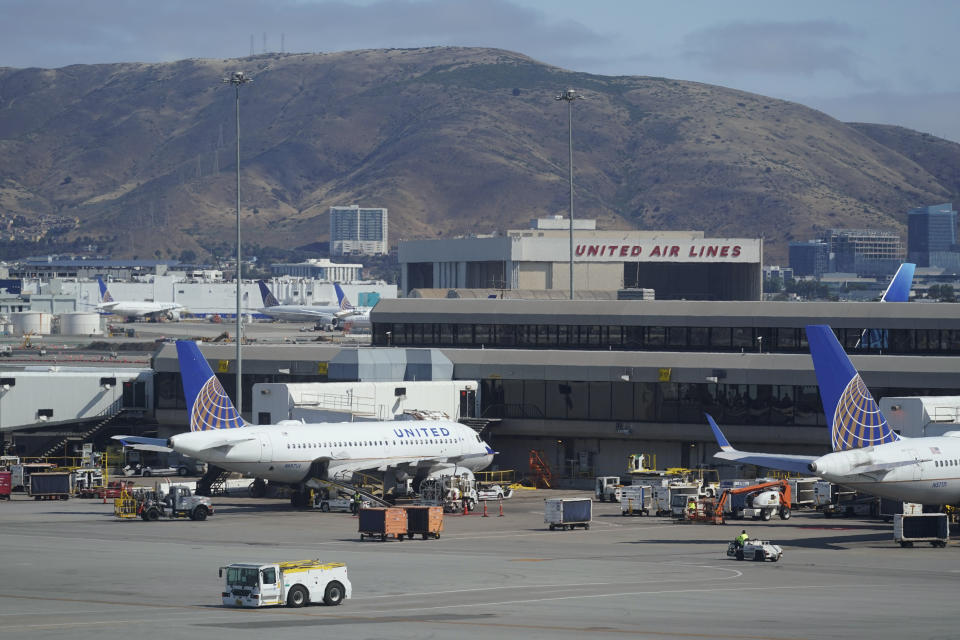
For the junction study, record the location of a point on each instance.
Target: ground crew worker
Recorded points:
(692, 507)
(355, 503)
(741, 539)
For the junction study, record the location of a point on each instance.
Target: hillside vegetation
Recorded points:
(139, 158)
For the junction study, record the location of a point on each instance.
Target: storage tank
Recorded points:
(80, 323)
(31, 322)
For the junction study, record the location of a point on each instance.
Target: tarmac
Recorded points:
(70, 570)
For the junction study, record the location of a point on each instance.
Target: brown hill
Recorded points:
(451, 140)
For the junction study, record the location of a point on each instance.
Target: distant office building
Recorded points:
(784, 274)
(932, 236)
(322, 270)
(864, 251)
(71, 267)
(810, 258)
(356, 230)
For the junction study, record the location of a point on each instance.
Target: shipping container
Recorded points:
(568, 513)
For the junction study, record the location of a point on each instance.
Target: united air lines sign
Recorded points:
(699, 250)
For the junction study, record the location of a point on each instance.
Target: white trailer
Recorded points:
(295, 583)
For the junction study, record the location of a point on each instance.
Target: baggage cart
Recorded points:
(424, 521)
(53, 485)
(383, 522)
(636, 500)
(925, 527)
(568, 513)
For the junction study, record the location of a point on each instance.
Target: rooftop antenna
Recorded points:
(283, 38)
(251, 45)
(264, 42)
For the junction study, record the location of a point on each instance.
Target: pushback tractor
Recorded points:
(294, 583)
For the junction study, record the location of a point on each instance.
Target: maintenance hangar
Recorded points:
(588, 384)
(675, 264)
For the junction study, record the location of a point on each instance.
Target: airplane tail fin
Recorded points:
(853, 416)
(210, 407)
(899, 288)
(269, 300)
(104, 294)
(342, 299)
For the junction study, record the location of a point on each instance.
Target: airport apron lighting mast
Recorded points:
(237, 79)
(569, 96)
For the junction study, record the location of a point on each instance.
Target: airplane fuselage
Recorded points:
(285, 452)
(299, 313)
(130, 308)
(923, 470)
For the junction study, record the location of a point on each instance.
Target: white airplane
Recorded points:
(350, 317)
(136, 308)
(295, 312)
(292, 452)
(867, 454)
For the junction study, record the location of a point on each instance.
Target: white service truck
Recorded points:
(294, 583)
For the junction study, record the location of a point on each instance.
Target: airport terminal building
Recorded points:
(588, 385)
(676, 264)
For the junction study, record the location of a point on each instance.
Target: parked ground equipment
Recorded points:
(450, 492)
(607, 488)
(636, 500)
(424, 521)
(178, 503)
(922, 527)
(50, 485)
(758, 550)
(383, 522)
(759, 501)
(293, 584)
(21, 473)
(568, 513)
(6, 484)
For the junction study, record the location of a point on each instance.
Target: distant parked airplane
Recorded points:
(136, 308)
(349, 315)
(296, 312)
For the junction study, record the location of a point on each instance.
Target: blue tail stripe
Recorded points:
(209, 405)
(853, 415)
(899, 289)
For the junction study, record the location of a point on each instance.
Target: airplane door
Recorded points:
(266, 448)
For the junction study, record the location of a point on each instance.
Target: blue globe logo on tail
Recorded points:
(213, 410)
(857, 420)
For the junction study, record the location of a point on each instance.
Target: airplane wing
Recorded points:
(800, 464)
(141, 443)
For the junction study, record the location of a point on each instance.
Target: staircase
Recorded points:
(83, 436)
(540, 470)
(212, 483)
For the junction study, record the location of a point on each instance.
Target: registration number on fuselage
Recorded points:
(939, 484)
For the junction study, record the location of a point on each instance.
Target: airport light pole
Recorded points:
(569, 96)
(238, 79)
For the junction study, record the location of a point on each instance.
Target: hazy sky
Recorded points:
(886, 61)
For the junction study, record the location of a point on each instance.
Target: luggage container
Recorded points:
(383, 522)
(636, 500)
(53, 485)
(926, 527)
(568, 513)
(6, 484)
(424, 521)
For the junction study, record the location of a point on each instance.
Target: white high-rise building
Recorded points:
(356, 230)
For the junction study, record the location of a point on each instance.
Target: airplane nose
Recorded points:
(812, 466)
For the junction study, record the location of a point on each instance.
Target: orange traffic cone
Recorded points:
(501, 508)
(484, 508)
